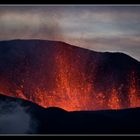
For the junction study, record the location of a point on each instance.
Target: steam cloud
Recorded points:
(15, 120)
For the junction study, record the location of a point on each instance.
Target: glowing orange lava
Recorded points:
(73, 90)
(114, 102)
(133, 92)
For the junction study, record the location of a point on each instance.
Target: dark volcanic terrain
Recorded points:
(56, 74)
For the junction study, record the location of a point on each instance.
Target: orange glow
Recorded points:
(133, 92)
(72, 92)
(114, 102)
(72, 89)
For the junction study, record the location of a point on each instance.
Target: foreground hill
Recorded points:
(57, 121)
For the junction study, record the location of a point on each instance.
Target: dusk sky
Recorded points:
(99, 28)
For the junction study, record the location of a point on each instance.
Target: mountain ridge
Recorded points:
(54, 73)
(40, 40)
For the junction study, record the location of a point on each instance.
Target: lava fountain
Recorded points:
(68, 77)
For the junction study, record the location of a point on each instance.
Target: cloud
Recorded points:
(29, 25)
(122, 43)
(108, 27)
(15, 120)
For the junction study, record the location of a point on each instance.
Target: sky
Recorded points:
(99, 28)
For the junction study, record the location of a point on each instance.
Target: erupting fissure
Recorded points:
(75, 92)
(71, 87)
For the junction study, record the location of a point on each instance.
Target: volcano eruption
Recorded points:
(56, 74)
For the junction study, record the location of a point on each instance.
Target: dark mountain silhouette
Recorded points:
(57, 121)
(53, 73)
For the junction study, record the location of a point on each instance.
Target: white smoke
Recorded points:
(15, 120)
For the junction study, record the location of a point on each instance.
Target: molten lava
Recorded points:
(114, 102)
(63, 80)
(75, 92)
(133, 92)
